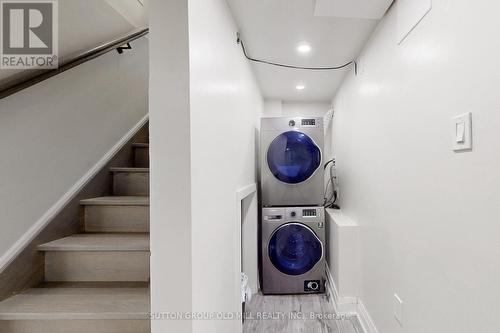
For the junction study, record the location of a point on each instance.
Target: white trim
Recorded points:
(349, 305)
(246, 191)
(341, 305)
(365, 319)
(327, 119)
(241, 194)
(52, 212)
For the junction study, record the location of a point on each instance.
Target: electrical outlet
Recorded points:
(398, 309)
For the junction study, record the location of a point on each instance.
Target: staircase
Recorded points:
(97, 281)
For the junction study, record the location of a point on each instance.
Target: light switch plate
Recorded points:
(462, 132)
(398, 309)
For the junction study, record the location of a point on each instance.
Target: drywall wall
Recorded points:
(279, 108)
(211, 115)
(225, 108)
(428, 216)
(134, 11)
(84, 25)
(170, 160)
(52, 133)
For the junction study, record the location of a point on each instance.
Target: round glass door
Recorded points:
(294, 249)
(293, 157)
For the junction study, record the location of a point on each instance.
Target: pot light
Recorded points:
(304, 48)
(300, 87)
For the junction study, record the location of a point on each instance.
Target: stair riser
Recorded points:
(141, 157)
(96, 266)
(131, 183)
(116, 218)
(75, 326)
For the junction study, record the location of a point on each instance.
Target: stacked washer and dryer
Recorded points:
(293, 217)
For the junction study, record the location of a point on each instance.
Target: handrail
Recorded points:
(25, 79)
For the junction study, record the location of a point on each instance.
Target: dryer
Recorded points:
(293, 250)
(291, 161)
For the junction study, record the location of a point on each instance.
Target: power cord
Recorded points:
(326, 164)
(267, 62)
(331, 201)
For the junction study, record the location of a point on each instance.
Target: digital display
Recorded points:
(308, 122)
(309, 213)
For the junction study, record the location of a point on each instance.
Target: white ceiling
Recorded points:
(272, 29)
(370, 9)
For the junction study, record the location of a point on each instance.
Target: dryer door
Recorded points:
(294, 249)
(293, 157)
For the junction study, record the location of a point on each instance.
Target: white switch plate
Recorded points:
(398, 309)
(462, 132)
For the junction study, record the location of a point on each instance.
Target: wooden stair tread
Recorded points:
(129, 169)
(117, 201)
(140, 145)
(94, 284)
(99, 242)
(77, 304)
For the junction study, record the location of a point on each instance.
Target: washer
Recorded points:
(291, 161)
(293, 250)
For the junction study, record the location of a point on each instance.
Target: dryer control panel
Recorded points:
(284, 123)
(309, 122)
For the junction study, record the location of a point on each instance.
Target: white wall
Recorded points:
(219, 117)
(170, 170)
(84, 25)
(52, 133)
(429, 216)
(278, 108)
(225, 108)
(132, 10)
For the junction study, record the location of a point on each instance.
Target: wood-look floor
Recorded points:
(295, 314)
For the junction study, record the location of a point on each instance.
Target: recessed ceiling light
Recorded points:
(300, 87)
(304, 48)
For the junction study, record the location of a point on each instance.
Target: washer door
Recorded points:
(294, 249)
(293, 157)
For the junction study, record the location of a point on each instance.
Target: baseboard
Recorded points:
(341, 305)
(53, 211)
(351, 306)
(365, 319)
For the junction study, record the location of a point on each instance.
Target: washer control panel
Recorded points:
(294, 214)
(309, 212)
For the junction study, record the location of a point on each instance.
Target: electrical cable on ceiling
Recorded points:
(240, 41)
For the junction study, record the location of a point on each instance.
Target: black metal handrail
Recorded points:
(29, 78)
